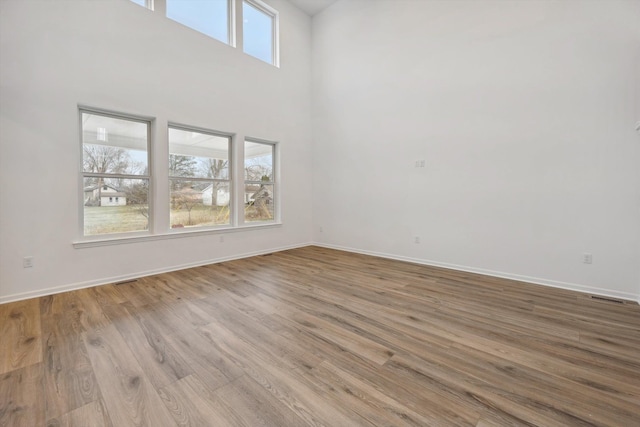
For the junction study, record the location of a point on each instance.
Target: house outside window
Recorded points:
(199, 178)
(115, 160)
(116, 179)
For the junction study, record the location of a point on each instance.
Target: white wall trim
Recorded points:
(115, 279)
(173, 234)
(535, 280)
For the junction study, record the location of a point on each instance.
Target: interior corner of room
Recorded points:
(491, 137)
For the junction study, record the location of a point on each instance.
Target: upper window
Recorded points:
(210, 17)
(259, 181)
(115, 173)
(144, 3)
(199, 177)
(260, 31)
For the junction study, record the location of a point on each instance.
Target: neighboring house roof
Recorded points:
(95, 187)
(247, 189)
(197, 186)
(208, 188)
(186, 190)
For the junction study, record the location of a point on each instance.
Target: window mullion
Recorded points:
(114, 176)
(193, 178)
(233, 22)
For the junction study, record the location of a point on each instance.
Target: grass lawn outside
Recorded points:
(114, 219)
(200, 215)
(123, 219)
(253, 213)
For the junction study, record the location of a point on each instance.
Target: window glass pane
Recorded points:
(257, 33)
(196, 154)
(113, 145)
(210, 17)
(142, 3)
(115, 205)
(197, 203)
(258, 161)
(259, 202)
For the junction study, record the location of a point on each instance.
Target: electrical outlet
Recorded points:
(416, 239)
(420, 163)
(587, 258)
(321, 230)
(221, 239)
(27, 262)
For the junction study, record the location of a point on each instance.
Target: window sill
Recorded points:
(81, 244)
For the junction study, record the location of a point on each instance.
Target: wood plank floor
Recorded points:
(317, 337)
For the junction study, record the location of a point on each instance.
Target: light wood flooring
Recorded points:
(318, 337)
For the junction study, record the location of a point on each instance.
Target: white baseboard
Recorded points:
(535, 280)
(115, 279)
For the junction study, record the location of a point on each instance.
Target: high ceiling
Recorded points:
(311, 7)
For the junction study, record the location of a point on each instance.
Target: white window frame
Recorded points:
(275, 180)
(159, 192)
(148, 4)
(275, 36)
(230, 180)
(148, 121)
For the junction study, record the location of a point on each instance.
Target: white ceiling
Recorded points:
(311, 7)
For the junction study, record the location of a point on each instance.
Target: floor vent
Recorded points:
(126, 281)
(267, 254)
(607, 299)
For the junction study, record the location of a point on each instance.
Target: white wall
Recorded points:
(120, 56)
(522, 111)
(524, 114)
